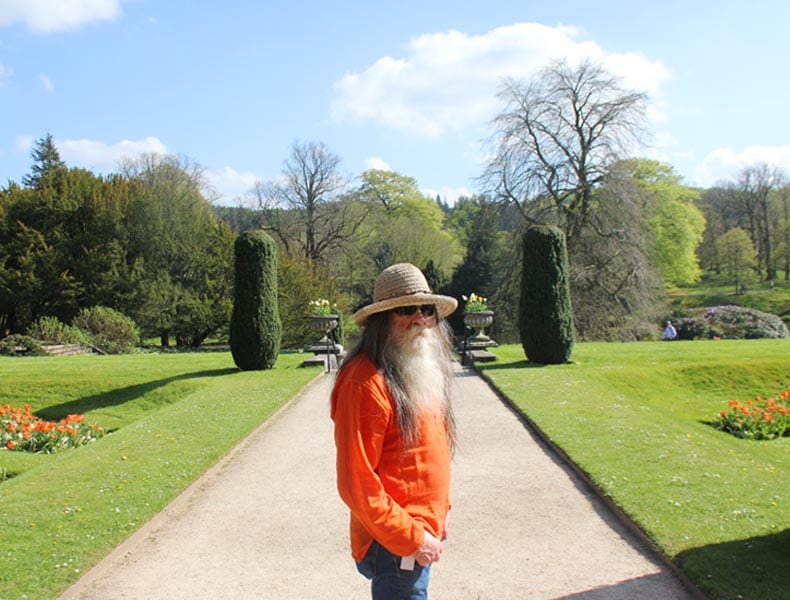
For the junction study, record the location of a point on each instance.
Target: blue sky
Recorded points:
(408, 85)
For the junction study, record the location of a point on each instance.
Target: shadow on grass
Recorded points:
(120, 395)
(752, 568)
(499, 366)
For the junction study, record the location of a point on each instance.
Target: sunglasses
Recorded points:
(427, 310)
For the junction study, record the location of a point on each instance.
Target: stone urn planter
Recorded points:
(474, 347)
(325, 350)
(322, 323)
(479, 321)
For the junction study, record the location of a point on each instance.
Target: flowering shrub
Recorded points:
(21, 430)
(321, 307)
(731, 322)
(757, 419)
(475, 303)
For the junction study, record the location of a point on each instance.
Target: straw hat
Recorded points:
(403, 284)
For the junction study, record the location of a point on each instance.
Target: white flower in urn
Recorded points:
(321, 307)
(475, 303)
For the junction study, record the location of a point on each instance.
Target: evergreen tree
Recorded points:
(47, 163)
(545, 314)
(482, 267)
(255, 327)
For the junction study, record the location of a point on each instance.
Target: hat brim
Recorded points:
(446, 305)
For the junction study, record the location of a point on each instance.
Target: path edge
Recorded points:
(181, 501)
(618, 513)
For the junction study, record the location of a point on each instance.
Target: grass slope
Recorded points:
(635, 417)
(174, 416)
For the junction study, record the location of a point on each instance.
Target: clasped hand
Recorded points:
(429, 552)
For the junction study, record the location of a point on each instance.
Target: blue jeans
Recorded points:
(388, 581)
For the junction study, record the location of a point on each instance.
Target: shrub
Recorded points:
(112, 332)
(52, 330)
(730, 322)
(545, 313)
(255, 327)
(20, 345)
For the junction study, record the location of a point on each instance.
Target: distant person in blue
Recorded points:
(670, 333)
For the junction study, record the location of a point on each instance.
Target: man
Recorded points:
(669, 333)
(395, 433)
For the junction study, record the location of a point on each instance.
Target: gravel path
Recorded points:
(266, 522)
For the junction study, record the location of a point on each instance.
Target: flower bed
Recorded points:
(21, 430)
(758, 419)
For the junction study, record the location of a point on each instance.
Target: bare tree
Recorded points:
(755, 185)
(556, 150)
(305, 207)
(556, 139)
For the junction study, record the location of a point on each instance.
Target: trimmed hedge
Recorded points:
(255, 327)
(545, 313)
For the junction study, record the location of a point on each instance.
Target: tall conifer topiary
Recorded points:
(545, 313)
(255, 328)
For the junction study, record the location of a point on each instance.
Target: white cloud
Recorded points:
(5, 73)
(448, 81)
(23, 143)
(92, 154)
(46, 83)
(449, 195)
(376, 162)
(724, 163)
(230, 183)
(45, 16)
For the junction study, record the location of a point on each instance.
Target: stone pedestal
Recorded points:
(325, 351)
(473, 348)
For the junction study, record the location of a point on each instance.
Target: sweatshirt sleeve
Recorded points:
(362, 415)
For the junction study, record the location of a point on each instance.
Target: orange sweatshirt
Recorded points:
(394, 494)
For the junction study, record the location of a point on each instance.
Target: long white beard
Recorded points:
(417, 355)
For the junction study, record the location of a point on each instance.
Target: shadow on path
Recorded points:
(648, 586)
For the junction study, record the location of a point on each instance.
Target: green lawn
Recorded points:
(633, 416)
(172, 416)
(636, 418)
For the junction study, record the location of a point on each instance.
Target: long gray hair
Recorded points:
(375, 342)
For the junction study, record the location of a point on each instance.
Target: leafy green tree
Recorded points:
(674, 220)
(299, 281)
(400, 224)
(738, 255)
(179, 250)
(388, 188)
